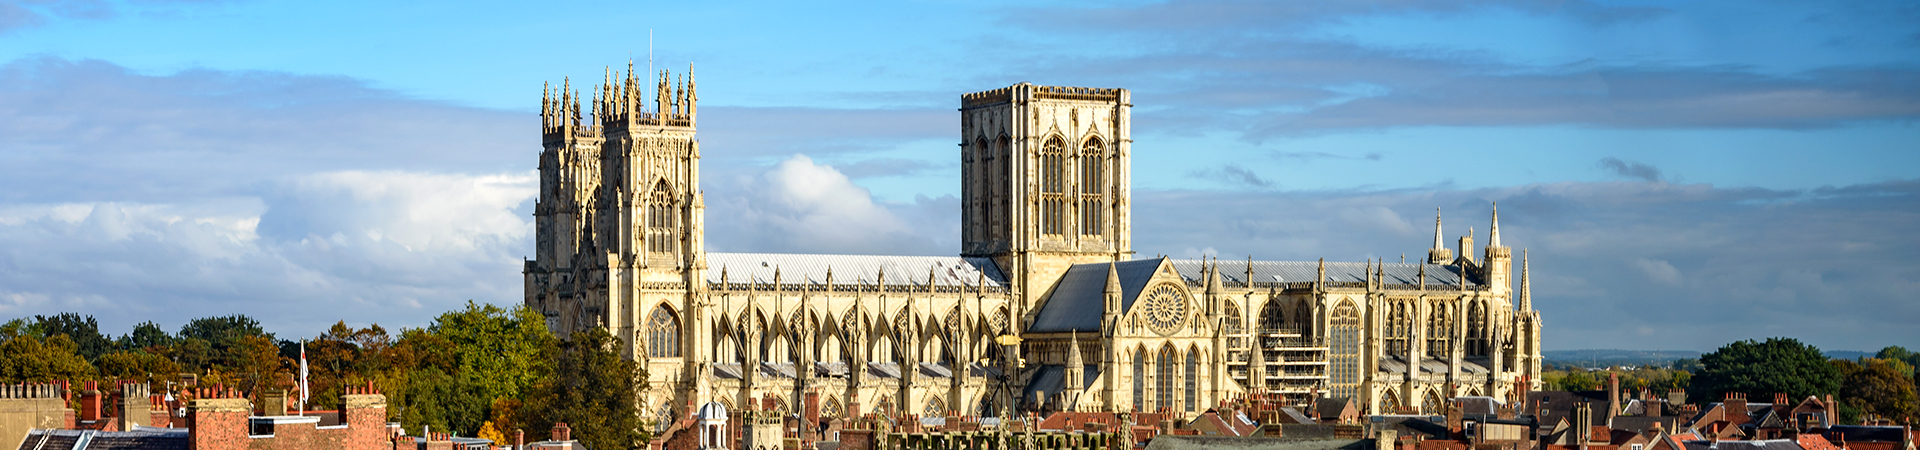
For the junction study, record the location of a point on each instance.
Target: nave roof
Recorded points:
(853, 270)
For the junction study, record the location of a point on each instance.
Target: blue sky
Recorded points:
(1688, 173)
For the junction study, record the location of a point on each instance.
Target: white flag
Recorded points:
(303, 371)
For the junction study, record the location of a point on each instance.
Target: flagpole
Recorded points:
(303, 377)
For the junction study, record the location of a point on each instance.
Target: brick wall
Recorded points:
(217, 421)
(220, 420)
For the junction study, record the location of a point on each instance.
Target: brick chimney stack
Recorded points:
(217, 420)
(90, 408)
(561, 432)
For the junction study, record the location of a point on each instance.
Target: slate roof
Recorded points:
(734, 371)
(852, 270)
(1078, 300)
(1329, 408)
(148, 439)
(1052, 378)
(1267, 272)
(1771, 444)
(1396, 364)
(1862, 433)
(1557, 405)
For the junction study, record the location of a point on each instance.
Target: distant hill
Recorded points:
(1850, 354)
(1615, 357)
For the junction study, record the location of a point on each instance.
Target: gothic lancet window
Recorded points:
(1163, 387)
(997, 193)
(1193, 378)
(1139, 379)
(663, 334)
(1439, 332)
(1477, 329)
(660, 219)
(1344, 325)
(1092, 185)
(982, 186)
(1053, 184)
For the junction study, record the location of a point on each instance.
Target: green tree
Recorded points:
(504, 348)
(254, 361)
(222, 333)
(1759, 369)
(457, 366)
(137, 365)
(593, 390)
(194, 354)
(83, 330)
(1689, 365)
(1881, 387)
(146, 336)
(1898, 353)
(25, 356)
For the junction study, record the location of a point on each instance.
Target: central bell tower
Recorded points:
(1046, 181)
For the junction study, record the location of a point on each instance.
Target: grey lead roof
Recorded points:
(848, 270)
(1077, 301)
(1235, 272)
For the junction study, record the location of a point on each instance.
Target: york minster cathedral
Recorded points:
(1046, 308)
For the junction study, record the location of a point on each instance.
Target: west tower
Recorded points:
(1046, 180)
(619, 221)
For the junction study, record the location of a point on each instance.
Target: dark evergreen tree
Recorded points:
(145, 337)
(593, 390)
(83, 330)
(1761, 369)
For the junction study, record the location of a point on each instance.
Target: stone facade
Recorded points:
(1045, 308)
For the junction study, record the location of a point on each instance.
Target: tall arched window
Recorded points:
(1344, 364)
(1093, 164)
(1163, 387)
(663, 333)
(1193, 379)
(1439, 331)
(1053, 187)
(1477, 329)
(1139, 380)
(997, 174)
(983, 187)
(660, 219)
(1273, 317)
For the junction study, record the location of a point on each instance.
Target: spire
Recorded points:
(1437, 244)
(1493, 240)
(1113, 278)
(1074, 360)
(1213, 280)
(1526, 288)
(693, 99)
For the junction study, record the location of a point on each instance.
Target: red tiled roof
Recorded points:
(1812, 441)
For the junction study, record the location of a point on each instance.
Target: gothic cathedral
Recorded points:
(1045, 309)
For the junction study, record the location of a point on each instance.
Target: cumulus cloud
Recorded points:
(1820, 264)
(395, 248)
(299, 200)
(802, 207)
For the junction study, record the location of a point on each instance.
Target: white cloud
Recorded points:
(389, 247)
(1658, 270)
(801, 206)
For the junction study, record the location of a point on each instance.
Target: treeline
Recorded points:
(482, 371)
(1879, 388)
